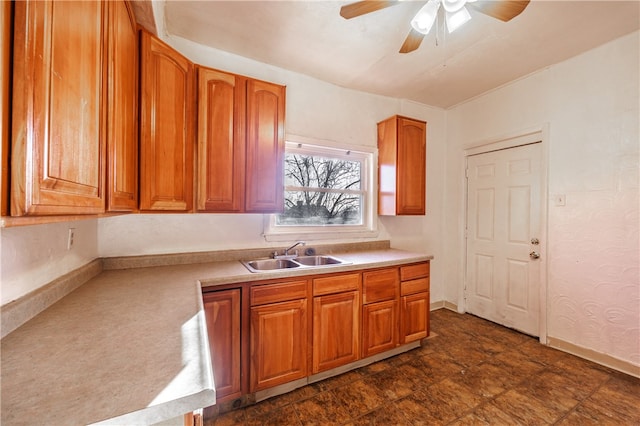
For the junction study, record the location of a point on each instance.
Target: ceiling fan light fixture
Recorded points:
(457, 19)
(425, 18)
(453, 5)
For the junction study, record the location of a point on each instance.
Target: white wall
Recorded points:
(591, 105)
(35, 255)
(314, 109)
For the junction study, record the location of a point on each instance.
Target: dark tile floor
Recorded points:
(473, 372)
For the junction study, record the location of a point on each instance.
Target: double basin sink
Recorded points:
(271, 265)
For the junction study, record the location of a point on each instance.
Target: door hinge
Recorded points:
(466, 172)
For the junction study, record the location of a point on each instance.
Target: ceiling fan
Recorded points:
(455, 11)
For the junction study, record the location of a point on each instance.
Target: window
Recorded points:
(327, 192)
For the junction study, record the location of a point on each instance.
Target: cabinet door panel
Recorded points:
(166, 128)
(411, 167)
(379, 327)
(336, 330)
(122, 132)
(222, 311)
(401, 166)
(415, 317)
(265, 147)
(278, 343)
(58, 152)
(221, 143)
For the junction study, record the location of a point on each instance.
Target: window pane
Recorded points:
(321, 208)
(321, 172)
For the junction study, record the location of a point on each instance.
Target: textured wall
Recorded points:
(35, 255)
(314, 110)
(591, 104)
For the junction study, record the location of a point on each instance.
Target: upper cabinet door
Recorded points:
(122, 130)
(401, 166)
(411, 166)
(221, 141)
(265, 147)
(58, 151)
(166, 128)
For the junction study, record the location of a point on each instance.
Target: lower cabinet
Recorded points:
(222, 311)
(336, 321)
(380, 290)
(415, 302)
(267, 333)
(278, 334)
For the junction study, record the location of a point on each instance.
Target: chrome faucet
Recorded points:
(298, 243)
(286, 255)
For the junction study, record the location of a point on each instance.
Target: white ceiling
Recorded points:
(310, 37)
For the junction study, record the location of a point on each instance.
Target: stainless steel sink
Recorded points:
(271, 265)
(318, 260)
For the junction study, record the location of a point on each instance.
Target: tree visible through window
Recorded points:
(322, 189)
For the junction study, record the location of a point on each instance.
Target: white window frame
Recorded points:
(369, 227)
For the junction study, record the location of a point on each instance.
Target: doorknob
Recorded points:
(534, 255)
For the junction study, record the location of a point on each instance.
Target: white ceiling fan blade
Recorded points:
(424, 19)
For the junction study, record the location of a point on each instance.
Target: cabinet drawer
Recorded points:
(417, 270)
(278, 292)
(380, 285)
(336, 284)
(414, 286)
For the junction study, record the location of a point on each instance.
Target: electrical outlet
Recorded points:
(71, 239)
(560, 200)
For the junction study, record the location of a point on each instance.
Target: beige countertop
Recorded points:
(130, 345)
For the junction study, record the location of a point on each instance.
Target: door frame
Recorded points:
(524, 137)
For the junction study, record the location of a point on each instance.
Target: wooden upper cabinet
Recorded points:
(58, 142)
(265, 147)
(166, 127)
(6, 29)
(122, 128)
(401, 166)
(221, 142)
(240, 144)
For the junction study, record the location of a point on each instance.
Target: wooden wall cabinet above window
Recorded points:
(240, 143)
(401, 166)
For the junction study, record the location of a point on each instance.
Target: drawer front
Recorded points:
(336, 284)
(380, 285)
(417, 270)
(278, 292)
(414, 286)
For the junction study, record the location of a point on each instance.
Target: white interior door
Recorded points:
(503, 226)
